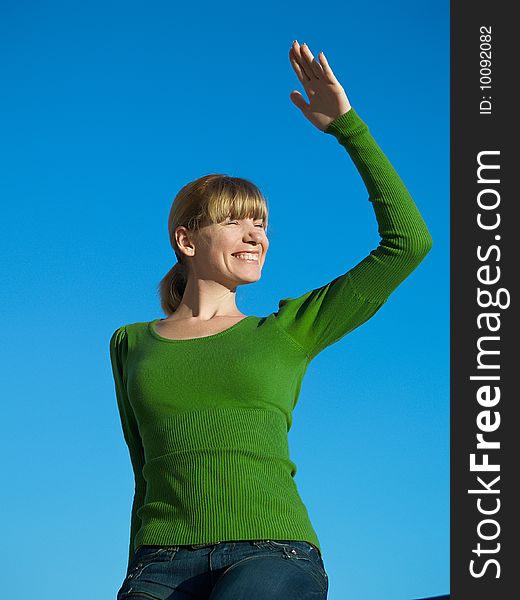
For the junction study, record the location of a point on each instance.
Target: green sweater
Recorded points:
(206, 420)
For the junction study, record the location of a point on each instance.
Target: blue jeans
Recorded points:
(246, 569)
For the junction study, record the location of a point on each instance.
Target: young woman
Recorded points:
(206, 394)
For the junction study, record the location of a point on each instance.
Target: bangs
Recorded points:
(235, 198)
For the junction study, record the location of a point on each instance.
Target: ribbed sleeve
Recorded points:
(324, 315)
(118, 353)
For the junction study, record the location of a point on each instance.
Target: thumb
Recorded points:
(299, 100)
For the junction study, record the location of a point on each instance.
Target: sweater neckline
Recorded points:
(157, 336)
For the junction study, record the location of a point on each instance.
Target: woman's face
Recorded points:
(223, 251)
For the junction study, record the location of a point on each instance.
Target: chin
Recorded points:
(243, 280)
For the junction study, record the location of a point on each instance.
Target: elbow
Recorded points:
(418, 246)
(425, 243)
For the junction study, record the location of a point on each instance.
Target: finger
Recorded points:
(296, 66)
(302, 63)
(299, 101)
(313, 64)
(327, 71)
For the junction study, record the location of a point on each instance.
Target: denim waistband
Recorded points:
(197, 546)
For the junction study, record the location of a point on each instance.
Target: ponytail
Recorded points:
(171, 288)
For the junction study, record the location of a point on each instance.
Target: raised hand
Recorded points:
(327, 99)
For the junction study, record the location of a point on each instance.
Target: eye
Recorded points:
(236, 223)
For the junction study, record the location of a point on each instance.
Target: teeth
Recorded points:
(247, 256)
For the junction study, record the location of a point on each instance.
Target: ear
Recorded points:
(184, 240)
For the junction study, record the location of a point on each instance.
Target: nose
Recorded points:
(254, 235)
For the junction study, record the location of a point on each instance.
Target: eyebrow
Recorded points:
(245, 219)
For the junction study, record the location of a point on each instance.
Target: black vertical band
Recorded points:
(485, 249)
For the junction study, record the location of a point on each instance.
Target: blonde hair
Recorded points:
(203, 201)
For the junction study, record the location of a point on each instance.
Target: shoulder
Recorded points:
(119, 334)
(124, 334)
(118, 340)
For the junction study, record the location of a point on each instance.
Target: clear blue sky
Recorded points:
(107, 109)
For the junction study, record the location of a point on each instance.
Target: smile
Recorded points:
(246, 257)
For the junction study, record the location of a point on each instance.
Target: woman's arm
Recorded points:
(324, 315)
(118, 354)
(405, 238)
